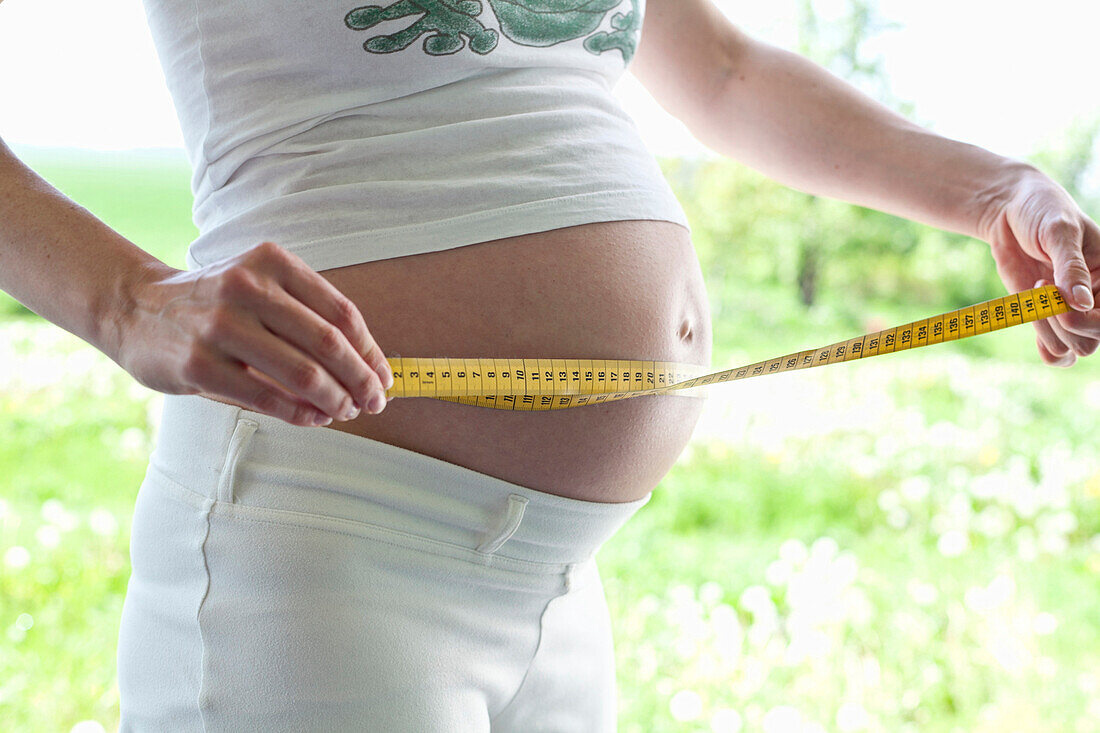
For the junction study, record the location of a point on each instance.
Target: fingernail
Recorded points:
(321, 420)
(387, 376)
(377, 402)
(1083, 295)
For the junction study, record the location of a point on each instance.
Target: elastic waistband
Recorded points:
(320, 470)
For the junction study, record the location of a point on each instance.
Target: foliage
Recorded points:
(749, 229)
(1069, 159)
(907, 543)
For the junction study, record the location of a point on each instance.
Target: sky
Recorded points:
(1007, 75)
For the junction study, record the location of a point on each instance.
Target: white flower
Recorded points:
(710, 593)
(132, 442)
(778, 572)
(794, 552)
(942, 434)
(686, 705)
(1061, 522)
(54, 512)
(851, 717)
(1002, 589)
(757, 598)
(953, 543)
(87, 726)
(977, 600)
(915, 489)
(960, 509)
(726, 720)
(859, 608)
(987, 486)
(782, 719)
(812, 643)
(681, 594)
(931, 674)
(48, 535)
(824, 549)
(994, 521)
(1009, 652)
(1053, 544)
(898, 518)
(1092, 393)
(1026, 544)
(1046, 667)
(102, 522)
(845, 568)
(887, 446)
(923, 594)
(17, 557)
(889, 500)
(728, 632)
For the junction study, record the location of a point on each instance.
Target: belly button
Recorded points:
(685, 331)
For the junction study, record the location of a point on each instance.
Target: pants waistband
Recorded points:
(227, 453)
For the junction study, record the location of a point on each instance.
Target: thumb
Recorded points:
(1062, 239)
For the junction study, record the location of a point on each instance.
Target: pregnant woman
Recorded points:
(442, 178)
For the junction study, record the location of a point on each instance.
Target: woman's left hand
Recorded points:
(1039, 235)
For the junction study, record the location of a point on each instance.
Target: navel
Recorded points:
(686, 333)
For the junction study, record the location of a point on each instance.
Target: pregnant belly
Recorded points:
(609, 290)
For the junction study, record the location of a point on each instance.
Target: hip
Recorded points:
(292, 578)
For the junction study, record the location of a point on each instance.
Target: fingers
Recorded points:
(325, 324)
(245, 340)
(1062, 238)
(298, 325)
(1073, 332)
(1078, 330)
(1066, 359)
(227, 377)
(1051, 349)
(322, 297)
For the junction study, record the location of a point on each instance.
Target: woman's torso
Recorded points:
(620, 289)
(357, 134)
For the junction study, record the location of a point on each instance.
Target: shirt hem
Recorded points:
(370, 245)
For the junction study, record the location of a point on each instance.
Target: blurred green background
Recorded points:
(905, 543)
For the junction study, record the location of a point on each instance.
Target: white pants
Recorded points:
(304, 579)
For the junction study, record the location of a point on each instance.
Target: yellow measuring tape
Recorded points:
(556, 384)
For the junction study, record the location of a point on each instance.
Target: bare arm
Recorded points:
(60, 261)
(260, 330)
(804, 127)
(795, 122)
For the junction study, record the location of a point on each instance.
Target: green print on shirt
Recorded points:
(526, 22)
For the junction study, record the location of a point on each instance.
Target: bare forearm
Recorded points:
(795, 122)
(59, 260)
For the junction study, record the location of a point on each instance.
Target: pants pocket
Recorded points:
(306, 501)
(238, 442)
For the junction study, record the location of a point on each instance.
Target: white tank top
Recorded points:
(347, 133)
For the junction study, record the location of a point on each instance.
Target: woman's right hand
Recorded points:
(261, 330)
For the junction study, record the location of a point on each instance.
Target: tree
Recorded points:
(1071, 159)
(839, 47)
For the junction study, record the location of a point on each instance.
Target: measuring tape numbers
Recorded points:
(556, 384)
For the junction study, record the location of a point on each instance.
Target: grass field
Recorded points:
(908, 543)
